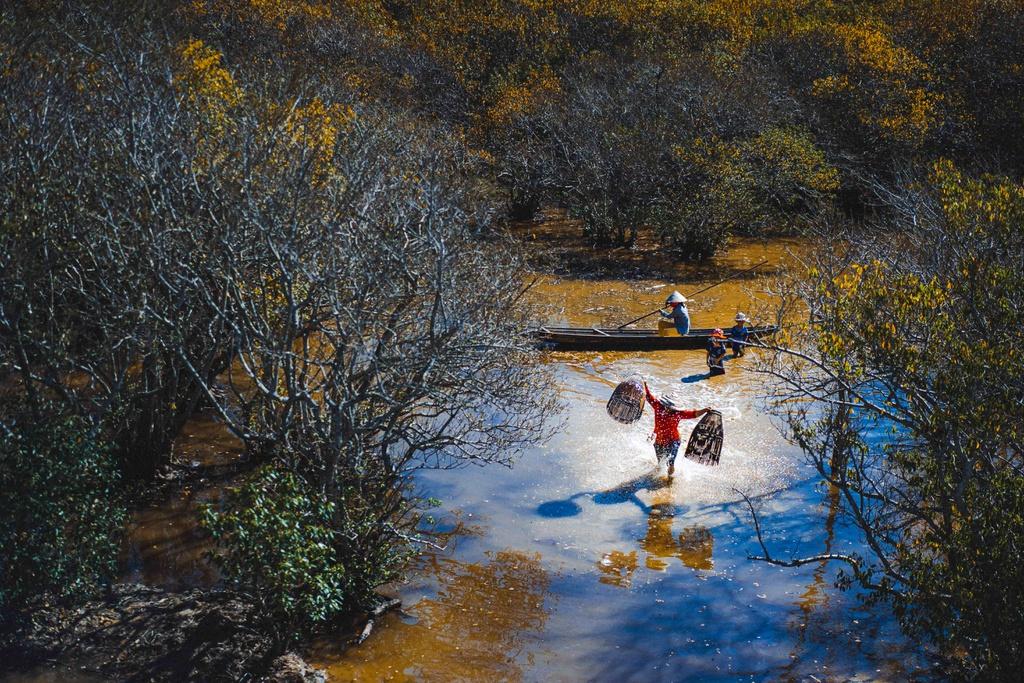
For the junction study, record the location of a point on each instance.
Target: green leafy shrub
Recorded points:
(755, 186)
(277, 545)
(688, 233)
(919, 338)
(61, 512)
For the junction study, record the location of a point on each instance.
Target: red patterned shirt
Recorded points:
(666, 420)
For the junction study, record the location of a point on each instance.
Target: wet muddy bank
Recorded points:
(138, 632)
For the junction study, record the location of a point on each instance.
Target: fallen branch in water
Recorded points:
(385, 605)
(858, 573)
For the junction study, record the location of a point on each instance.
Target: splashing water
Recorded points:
(635, 576)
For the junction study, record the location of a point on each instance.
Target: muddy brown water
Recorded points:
(583, 562)
(165, 546)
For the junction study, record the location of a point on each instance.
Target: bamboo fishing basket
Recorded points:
(705, 444)
(627, 402)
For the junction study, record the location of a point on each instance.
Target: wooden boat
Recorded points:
(613, 339)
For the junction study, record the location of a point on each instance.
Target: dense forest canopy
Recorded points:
(289, 212)
(566, 100)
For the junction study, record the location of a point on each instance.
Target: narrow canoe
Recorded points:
(612, 339)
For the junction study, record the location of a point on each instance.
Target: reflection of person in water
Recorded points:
(693, 547)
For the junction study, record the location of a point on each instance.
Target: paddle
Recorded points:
(648, 315)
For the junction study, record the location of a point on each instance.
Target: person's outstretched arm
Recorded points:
(695, 413)
(650, 397)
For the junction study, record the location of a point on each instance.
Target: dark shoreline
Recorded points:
(141, 633)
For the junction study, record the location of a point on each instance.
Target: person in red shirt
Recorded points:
(667, 415)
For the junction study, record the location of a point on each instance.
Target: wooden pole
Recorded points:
(648, 315)
(757, 265)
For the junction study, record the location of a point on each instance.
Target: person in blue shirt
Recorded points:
(716, 352)
(739, 334)
(676, 303)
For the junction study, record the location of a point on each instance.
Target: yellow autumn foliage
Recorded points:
(474, 37)
(270, 13)
(210, 89)
(912, 321)
(760, 183)
(887, 86)
(204, 78)
(317, 126)
(512, 98)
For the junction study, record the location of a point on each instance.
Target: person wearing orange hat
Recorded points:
(716, 352)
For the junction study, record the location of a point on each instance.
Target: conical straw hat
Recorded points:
(676, 298)
(672, 403)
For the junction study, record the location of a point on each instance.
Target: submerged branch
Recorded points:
(858, 572)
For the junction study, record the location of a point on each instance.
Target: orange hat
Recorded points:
(718, 334)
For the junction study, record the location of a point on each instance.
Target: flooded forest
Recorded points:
(511, 340)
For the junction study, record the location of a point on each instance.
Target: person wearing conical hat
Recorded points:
(739, 334)
(667, 414)
(716, 352)
(676, 305)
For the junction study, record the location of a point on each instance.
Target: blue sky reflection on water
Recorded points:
(636, 578)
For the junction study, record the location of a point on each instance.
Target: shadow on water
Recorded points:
(701, 376)
(554, 509)
(693, 547)
(625, 492)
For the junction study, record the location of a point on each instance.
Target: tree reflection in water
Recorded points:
(813, 600)
(693, 547)
(472, 629)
